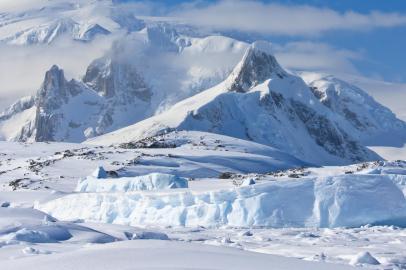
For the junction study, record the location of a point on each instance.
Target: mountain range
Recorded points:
(161, 77)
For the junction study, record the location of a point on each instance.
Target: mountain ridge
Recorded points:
(281, 98)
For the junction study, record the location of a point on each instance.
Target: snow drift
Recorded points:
(335, 201)
(153, 181)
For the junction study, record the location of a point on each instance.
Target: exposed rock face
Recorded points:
(111, 78)
(54, 93)
(328, 135)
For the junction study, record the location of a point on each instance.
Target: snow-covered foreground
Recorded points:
(241, 205)
(152, 254)
(29, 237)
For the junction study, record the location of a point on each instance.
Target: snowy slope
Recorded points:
(187, 154)
(390, 94)
(261, 102)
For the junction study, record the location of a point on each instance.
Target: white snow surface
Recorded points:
(153, 181)
(153, 254)
(196, 155)
(368, 192)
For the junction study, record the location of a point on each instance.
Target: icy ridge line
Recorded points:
(334, 201)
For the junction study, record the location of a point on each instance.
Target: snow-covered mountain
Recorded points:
(47, 33)
(373, 124)
(320, 122)
(46, 22)
(161, 67)
(143, 74)
(260, 101)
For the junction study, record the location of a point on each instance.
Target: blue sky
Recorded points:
(376, 51)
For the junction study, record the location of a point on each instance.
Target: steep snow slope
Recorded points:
(261, 102)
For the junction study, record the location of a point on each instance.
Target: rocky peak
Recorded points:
(54, 93)
(257, 66)
(53, 90)
(116, 78)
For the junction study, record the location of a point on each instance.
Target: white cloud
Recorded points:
(315, 56)
(22, 68)
(254, 16)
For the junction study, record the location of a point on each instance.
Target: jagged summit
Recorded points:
(257, 65)
(54, 80)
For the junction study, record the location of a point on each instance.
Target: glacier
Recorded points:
(336, 201)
